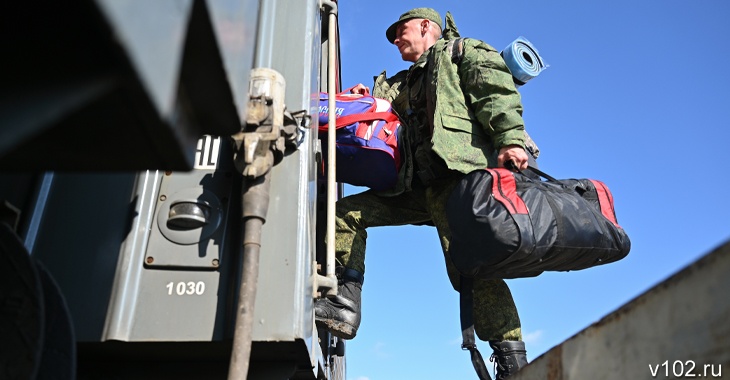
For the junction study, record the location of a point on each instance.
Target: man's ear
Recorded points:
(424, 26)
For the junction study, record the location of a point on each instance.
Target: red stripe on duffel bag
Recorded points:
(504, 189)
(605, 200)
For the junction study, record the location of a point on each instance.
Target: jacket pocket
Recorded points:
(462, 123)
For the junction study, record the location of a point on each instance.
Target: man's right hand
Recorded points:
(360, 89)
(514, 153)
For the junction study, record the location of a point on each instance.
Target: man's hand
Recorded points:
(360, 89)
(514, 153)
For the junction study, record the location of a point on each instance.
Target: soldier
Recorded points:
(459, 116)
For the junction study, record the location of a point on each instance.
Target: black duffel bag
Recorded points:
(507, 225)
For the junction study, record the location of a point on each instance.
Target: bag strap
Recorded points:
(511, 166)
(349, 119)
(456, 48)
(365, 116)
(466, 306)
(541, 173)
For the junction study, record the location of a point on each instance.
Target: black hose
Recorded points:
(255, 197)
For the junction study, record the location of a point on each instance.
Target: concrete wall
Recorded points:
(678, 329)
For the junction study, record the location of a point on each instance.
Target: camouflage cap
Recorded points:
(426, 13)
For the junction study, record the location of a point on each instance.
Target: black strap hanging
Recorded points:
(466, 305)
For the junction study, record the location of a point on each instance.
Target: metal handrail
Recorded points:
(330, 280)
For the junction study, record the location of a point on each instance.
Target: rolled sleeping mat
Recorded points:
(523, 61)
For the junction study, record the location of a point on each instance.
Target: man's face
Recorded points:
(409, 39)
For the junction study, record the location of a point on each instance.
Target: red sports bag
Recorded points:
(367, 151)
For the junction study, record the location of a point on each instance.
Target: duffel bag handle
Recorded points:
(541, 173)
(511, 166)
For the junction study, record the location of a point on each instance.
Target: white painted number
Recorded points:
(199, 287)
(185, 288)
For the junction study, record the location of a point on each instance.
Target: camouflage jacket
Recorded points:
(472, 108)
(461, 111)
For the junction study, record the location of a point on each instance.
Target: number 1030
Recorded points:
(185, 288)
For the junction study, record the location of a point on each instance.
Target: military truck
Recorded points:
(164, 208)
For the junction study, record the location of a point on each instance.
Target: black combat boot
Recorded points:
(509, 357)
(341, 313)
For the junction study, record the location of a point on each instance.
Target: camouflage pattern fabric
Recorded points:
(473, 108)
(495, 313)
(460, 114)
(444, 116)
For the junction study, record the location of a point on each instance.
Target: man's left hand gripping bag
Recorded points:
(367, 152)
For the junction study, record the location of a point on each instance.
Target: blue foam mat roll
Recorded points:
(523, 60)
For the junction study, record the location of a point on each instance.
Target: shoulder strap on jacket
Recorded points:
(456, 49)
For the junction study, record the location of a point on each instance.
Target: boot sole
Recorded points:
(338, 329)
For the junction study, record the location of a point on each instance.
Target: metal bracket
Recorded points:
(270, 131)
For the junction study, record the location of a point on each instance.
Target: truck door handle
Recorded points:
(186, 215)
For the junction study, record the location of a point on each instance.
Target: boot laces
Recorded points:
(499, 369)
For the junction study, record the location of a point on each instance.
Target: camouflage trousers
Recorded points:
(495, 313)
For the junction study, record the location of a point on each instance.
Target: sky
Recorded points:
(635, 95)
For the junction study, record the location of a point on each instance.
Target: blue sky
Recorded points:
(636, 95)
